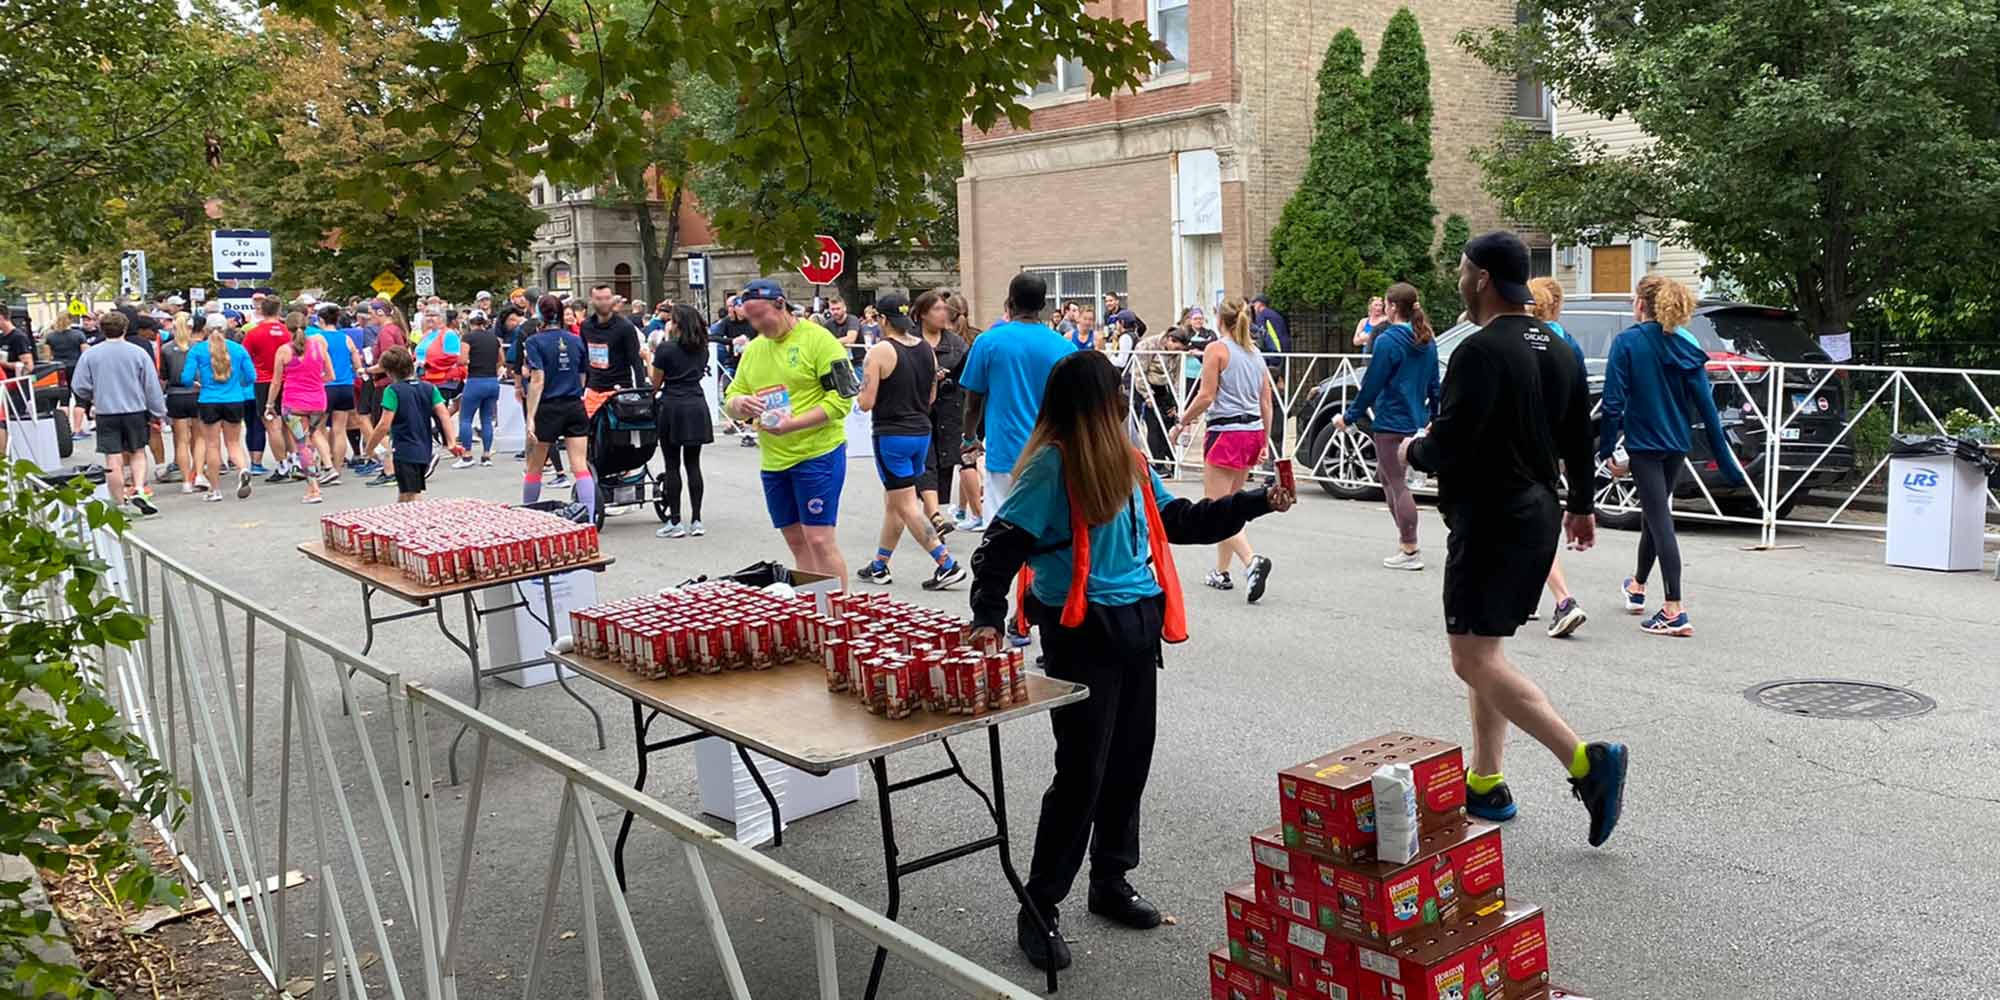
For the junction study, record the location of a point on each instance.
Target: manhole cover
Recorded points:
(1831, 699)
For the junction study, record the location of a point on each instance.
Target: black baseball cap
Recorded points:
(895, 308)
(762, 288)
(1504, 258)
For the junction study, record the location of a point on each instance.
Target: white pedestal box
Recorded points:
(1937, 513)
(516, 635)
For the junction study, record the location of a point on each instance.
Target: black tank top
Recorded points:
(902, 401)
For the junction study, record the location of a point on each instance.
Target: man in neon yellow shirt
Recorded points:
(795, 383)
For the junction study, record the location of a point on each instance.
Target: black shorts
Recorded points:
(222, 413)
(560, 418)
(123, 433)
(183, 406)
(410, 476)
(339, 398)
(260, 394)
(1497, 559)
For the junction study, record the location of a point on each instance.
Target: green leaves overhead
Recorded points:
(839, 102)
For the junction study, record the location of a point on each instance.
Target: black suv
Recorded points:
(1737, 336)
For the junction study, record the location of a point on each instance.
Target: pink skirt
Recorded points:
(1233, 449)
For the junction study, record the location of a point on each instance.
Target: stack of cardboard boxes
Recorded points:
(1323, 919)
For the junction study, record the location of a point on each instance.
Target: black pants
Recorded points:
(1655, 476)
(670, 479)
(947, 444)
(1104, 745)
(1162, 417)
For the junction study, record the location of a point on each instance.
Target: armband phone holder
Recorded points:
(840, 378)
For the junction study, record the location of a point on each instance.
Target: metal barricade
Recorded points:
(287, 794)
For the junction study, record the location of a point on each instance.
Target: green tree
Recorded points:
(1442, 294)
(56, 804)
(838, 102)
(1826, 152)
(1399, 97)
(1328, 241)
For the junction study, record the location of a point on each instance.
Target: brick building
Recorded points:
(1169, 193)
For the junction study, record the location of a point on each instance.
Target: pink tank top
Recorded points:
(305, 379)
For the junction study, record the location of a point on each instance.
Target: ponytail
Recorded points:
(1668, 301)
(218, 353)
(1403, 296)
(1234, 318)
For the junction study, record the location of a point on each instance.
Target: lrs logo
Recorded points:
(1921, 479)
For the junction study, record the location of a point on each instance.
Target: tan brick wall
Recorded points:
(1281, 44)
(1106, 214)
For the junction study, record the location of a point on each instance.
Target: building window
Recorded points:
(558, 277)
(1085, 285)
(621, 281)
(1531, 99)
(1541, 262)
(1168, 22)
(1067, 78)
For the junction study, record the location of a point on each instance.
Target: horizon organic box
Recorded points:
(1284, 876)
(1499, 953)
(1328, 807)
(1257, 936)
(1229, 981)
(1458, 869)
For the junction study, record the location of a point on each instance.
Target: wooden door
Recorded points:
(1611, 270)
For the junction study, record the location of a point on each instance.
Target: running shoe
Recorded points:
(558, 480)
(1635, 603)
(948, 574)
(369, 468)
(1405, 561)
(695, 530)
(1017, 639)
(144, 505)
(671, 529)
(171, 473)
(1567, 618)
(1218, 580)
(1256, 577)
(242, 485)
(313, 498)
(876, 573)
(278, 476)
(212, 497)
(257, 469)
(970, 523)
(382, 479)
(328, 478)
(1602, 789)
(432, 469)
(941, 525)
(189, 488)
(1678, 626)
(519, 455)
(747, 441)
(465, 463)
(486, 461)
(1496, 804)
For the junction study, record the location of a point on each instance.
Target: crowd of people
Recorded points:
(1052, 433)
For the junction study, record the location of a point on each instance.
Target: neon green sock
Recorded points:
(1483, 783)
(1579, 762)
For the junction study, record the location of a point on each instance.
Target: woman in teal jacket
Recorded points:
(222, 368)
(1401, 390)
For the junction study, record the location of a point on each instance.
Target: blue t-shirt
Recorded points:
(558, 355)
(337, 346)
(1119, 569)
(1009, 365)
(239, 387)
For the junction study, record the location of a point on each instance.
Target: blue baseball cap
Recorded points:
(762, 289)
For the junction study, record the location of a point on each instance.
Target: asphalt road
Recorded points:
(1760, 852)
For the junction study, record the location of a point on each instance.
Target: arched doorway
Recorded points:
(621, 281)
(558, 277)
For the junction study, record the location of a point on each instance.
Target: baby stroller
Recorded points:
(623, 438)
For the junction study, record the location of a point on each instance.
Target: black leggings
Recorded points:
(670, 479)
(1655, 477)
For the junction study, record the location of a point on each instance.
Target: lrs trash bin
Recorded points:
(1937, 513)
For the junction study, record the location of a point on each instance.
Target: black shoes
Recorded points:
(1602, 790)
(1495, 804)
(1043, 950)
(1257, 576)
(1120, 902)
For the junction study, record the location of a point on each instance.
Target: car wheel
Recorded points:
(1345, 463)
(1617, 500)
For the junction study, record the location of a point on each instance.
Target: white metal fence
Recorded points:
(339, 863)
(1808, 467)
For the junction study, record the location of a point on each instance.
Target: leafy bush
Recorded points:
(55, 805)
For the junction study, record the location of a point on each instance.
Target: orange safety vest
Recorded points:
(1173, 627)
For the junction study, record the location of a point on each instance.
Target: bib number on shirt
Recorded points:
(600, 355)
(777, 399)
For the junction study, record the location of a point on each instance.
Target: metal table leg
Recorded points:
(562, 676)
(998, 807)
(880, 767)
(642, 724)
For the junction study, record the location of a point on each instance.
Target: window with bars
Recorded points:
(1085, 285)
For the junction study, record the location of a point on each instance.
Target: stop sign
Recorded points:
(824, 267)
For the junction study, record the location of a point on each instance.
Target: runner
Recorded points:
(683, 418)
(1655, 386)
(1508, 403)
(65, 346)
(795, 383)
(122, 386)
(1105, 594)
(411, 408)
(970, 514)
(263, 341)
(555, 362)
(182, 408)
(303, 370)
(223, 370)
(340, 402)
(1568, 615)
(933, 314)
(898, 389)
(1235, 396)
(440, 356)
(481, 397)
(1399, 392)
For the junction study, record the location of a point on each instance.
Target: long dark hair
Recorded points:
(690, 331)
(1083, 417)
(1403, 296)
(922, 307)
(551, 310)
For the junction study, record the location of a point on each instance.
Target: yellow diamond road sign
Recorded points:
(387, 283)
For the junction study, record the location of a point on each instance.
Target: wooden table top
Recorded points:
(787, 713)
(390, 580)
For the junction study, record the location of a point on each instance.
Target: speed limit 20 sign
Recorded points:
(825, 266)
